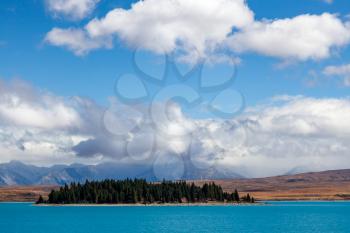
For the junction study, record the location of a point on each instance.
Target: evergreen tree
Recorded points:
(140, 191)
(40, 200)
(236, 196)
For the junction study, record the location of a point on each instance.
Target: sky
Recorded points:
(258, 87)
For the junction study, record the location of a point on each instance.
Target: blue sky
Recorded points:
(68, 69)
(25, 55)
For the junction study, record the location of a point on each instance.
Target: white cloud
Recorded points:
(73, 9)
(301, 116)
(286, 133)
(197, 29)
(161, 26)
(301, 38)
(76, 40)
(21, 105)
(342, 71)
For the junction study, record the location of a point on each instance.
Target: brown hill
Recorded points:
(23, 193)
(328, 185)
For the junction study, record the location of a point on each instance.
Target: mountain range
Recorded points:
(18, 173)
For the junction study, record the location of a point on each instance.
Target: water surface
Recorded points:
(276, 217)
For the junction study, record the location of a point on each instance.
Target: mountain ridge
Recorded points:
(18, 173)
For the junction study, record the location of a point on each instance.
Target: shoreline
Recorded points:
(258, 203)
(151, 205)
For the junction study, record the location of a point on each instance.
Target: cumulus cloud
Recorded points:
(162, 26)
(73, 9)
(196, 29)
(342, 71)
(286, 133)
(301, 38)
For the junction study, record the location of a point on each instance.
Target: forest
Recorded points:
(132, 191)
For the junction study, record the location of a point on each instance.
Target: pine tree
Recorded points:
(236, 196)
(40, 200)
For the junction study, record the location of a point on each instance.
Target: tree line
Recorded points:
(140, 191)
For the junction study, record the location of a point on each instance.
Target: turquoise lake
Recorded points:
(276, 217)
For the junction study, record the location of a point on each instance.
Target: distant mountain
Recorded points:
(18, 173)
(15, 173)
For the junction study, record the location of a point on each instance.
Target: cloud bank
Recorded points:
(287, 133)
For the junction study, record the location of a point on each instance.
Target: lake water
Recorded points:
(277, 217)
